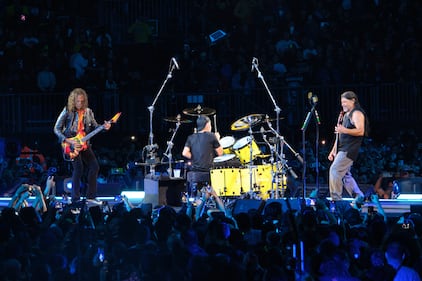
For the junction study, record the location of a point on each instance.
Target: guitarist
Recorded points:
(350, 133)
(77, 120)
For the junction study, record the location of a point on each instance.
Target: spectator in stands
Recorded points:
(46, 79)
(140, 31)
(78, 61)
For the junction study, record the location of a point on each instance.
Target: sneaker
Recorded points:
(94, 201)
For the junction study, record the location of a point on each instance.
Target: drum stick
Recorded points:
(215, 123)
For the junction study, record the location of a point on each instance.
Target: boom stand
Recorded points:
(151, 146)
(276, 108)
(311, 113)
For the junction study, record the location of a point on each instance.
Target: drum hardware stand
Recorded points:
(282, 142)
(273, 173)
(313, 100)
(251, 184)
(170, 145)
(151, 147)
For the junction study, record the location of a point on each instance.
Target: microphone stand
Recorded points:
(150, 146)
(170, 145)
(311, 113)
(276, 108)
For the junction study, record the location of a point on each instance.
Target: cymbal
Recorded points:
(263, 155)
(177, 119)
(199, 111)
(246, 122)
(272, 119)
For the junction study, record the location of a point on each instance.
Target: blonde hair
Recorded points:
(71, 100)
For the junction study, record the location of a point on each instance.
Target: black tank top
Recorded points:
(348, 143)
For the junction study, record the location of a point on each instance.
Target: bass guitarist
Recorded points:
(350, 133)
(75, 121)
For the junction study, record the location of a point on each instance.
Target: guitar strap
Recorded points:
(81, 127)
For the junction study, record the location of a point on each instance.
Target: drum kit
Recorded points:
(243, 169)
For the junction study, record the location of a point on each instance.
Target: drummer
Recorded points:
(201, 148)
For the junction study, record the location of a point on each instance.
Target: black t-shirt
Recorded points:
(202, 147)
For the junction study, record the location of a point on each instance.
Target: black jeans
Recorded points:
(85, 160)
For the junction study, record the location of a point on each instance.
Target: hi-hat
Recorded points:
(199, 111)
(177, 119)
(246, 122)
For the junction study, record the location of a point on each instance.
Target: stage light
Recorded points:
(134, 197)
(67, 185)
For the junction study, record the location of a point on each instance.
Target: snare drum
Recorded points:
(225, 161)
(242, 148)
(227, 144)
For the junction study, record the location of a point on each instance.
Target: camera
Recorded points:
(51, 171)
(58, 205)
(100, 254)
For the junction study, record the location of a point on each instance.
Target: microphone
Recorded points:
(314, 99)
(254, 63)
(310, 97)
(173, 59)
(314, 102)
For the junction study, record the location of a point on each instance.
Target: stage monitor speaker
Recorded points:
(416, 209)
(109, 189)
(244, 205)
(294, 203)
(164, 192)
(409, 185)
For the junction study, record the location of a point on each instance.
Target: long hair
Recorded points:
(71, 100)
(350, 95)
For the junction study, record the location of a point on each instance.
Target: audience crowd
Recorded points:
(46, 45)
(273, 241)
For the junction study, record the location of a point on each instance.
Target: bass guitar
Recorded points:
(70, 151)
(339, 122)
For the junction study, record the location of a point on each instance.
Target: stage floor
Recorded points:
(392, 207)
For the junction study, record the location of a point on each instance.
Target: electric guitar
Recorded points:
(71, 151)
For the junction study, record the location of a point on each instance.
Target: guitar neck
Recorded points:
(93, 133)
(339, 121)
